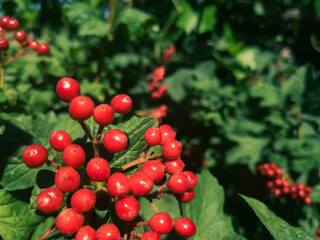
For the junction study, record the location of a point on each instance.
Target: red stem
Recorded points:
(48, 232)
(86, 130)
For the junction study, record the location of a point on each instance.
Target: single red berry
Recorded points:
(121, 103)
(67, 89)
(12, 24)
(154, 169)
(86, 233)
(127, 208)
(153, 136)
(43, 49)
(118, 185)
(59, 140)
(103, 114)
(34, 156)
(4, 44)
(150, 236)
(140, 183)
(171, 150)
(108, 232)
(50, 200)
(69, 221)
(20, 36)
(178, 183)
(185, 197)
(193, 180)
(318, 231)
(98, 169)
(81, 108)
(185, 227)
(167, 134)
(308, 189)
(67, 179)
(4, 21)
(33, 45)
(161, 223)
(307, 200)
(174, 166)
(115, 140)
(83, 200)
(74, 156)
(285, 190)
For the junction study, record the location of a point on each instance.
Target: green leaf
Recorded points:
(254, 58)
(188, 20)
(206, 210)
(208, 19)
(17, 221)
(278, 228)
(94, 27)
(43, 227)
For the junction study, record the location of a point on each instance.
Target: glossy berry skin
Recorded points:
(193, 180)
(4, 21)
(12, 24)
(67, 179)
(118, 185)
(127, 208)
(81, 108)
(154, 169)
(73, 156)
(161, 223)
(59, 140)
(98, 169)
(121, 103)
(140, 183)
(20, 36)
(171, 150)
(174, 166)
(67, 89)
(69, 221)
(4, 44)
(108, 232)
(178, 183)
(83, 200)
(50, 200)
(185, 227)
(185, 197)
(153, 136)
(33, 45)
(103, 114)
(167, 134)
(43, 49)
(115, 140)
(150, 236)
(34, 156)
(86, 233)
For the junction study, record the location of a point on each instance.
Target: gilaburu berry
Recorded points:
(98, 169)
(115, 140)
(118, 185)
(103, 114)
(73, 155)
(34, 155)
(69, 221)
(108, 232)
(153, 136)
(161, 223)
(67, 179)
(81, 108)
(86, 233)
(121, 103)
(83, 200)
(59, 140)
(50, 200)
(185, 227)
(127, 208)
(67, 88)
(140, 183)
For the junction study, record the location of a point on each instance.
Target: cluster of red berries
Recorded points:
(8, 24)
(114, 183)
(167, 53)
(158, 75)
(278, 184)
(318, 233)
(160, 113)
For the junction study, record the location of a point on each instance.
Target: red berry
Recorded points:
(193, 180)
(34, 156)
(67, 179)
(103, 114)
(43, 49)
(98, 169)
(150, 236)
(307, 200)
(185, 227)
(4, 21)
(127, 208)
(12, 24)
(171, 150)
(67, 89)
(121, 103)
(81, 108)
(33, 45)
(74, 156)
(153, 136)
(185, 197)
(4, 44)
(86, 233)
(154, 169)
(69, 221)
(20, 36)
(115, 140)
(59, 140)
(174, 166)
(167, 134)
(50, 200)
(108, 232)
(140, 183)
(118, 185)
(178, 183)
(161, 223)
(83, 200)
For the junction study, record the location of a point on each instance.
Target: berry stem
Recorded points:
(153, 205)
(18, 55)
(142, 159)
(157, 193)
(1, 76)
(48, 232)
(96, 149)
(99, 134)
(86, 130)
